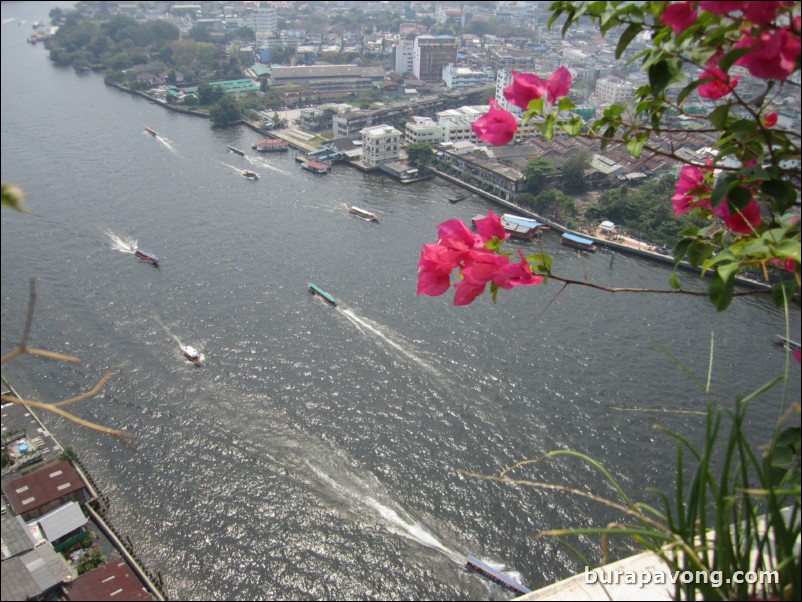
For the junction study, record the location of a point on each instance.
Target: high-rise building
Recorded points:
(430, 54)
(264, 22)
(403, 56)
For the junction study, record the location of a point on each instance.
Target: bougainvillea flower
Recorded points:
(787, 264)
(759, 13)
(434, 269)
(679, 16)
(496, 268)
(489, 227)
(797, 353)
(690, 189)
(770, 120)
(743, 221)
(524, 88)
(497, 126)
(772, 56)
(455, 235)
(718, 83)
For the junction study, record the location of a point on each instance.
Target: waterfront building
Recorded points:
(430, 54)
(39, 492)
(477, 170)
(380, 144)
(112, 581)
(422, 129)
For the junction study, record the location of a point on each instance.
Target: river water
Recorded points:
(319, 452)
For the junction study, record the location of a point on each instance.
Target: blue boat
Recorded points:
(521, 227)
(316, 290)
(496, 576)
(145, 256)
(584, 244)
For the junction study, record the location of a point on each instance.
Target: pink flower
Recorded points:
(787, 264)
(455, 235)
(797, 355)
(495, 268)
(497, 126)
(718, 83)
(434, 270)
(772, 56)
(743, 221)
(526, 87)
(679, 16)
(759, 13)
(689, 188)
(490, 227)
(770, 120)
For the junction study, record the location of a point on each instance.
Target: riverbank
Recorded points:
(17, 417)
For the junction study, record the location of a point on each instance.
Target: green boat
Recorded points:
(316, 290)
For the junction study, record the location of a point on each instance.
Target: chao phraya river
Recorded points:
(318, 452)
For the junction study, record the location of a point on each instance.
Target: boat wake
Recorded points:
(167, 144)
(379, 334)
(123, 244)
(360, 496)
(168, 331)
(263, 163)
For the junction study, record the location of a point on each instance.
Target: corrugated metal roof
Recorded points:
(61, 521)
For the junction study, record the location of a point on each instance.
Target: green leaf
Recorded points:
(674, 281)
(494, 289)
(681, 250)
(783, 291)
(698, 251)
(574, 126)
(635, 145)
(729, 59)
(718, 117)
(683, 94)
(788, 248)
(540, 262)
(781, 191)
(629, 34)
(536, 105)
(720, 292)
(721, 190)
(663, 73)
(565, 104)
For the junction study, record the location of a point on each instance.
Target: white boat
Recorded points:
(366, 215)
(192, 354)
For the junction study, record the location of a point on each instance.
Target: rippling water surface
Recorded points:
(317, 453)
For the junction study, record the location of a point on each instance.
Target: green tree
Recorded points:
(420, 155)
(573, 173)
(537, 172)
(209, 94)
(224, 112)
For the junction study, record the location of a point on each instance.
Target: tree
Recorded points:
(224, 112)
(209, 94)
(537, 172)
(420, 155)
(573, 173)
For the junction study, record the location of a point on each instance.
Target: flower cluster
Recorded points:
(773, 48)
(498, 126)
(474, 255)
(693, 191)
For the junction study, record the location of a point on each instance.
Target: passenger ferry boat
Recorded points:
(192, 354)
(497, 576)
(235, 150)
(315, 167)
(270, 146)
(366, 215)
(146, 256)
(316, 290)
(151, 131)
(583, 244)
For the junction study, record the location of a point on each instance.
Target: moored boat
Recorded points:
(315, 167)
(366, 215)
(583, 244)
(497, 576)
(146, 256)
(786, 342)
(521, 227)
(192, 354)
(235, 150)
(251, 175)
(456, 198)
(270, 146)
(151, 131)
(316, 290)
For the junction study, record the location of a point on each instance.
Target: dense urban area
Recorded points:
(389, 86)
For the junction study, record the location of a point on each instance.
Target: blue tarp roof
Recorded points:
(523, 221)
(579, 239)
